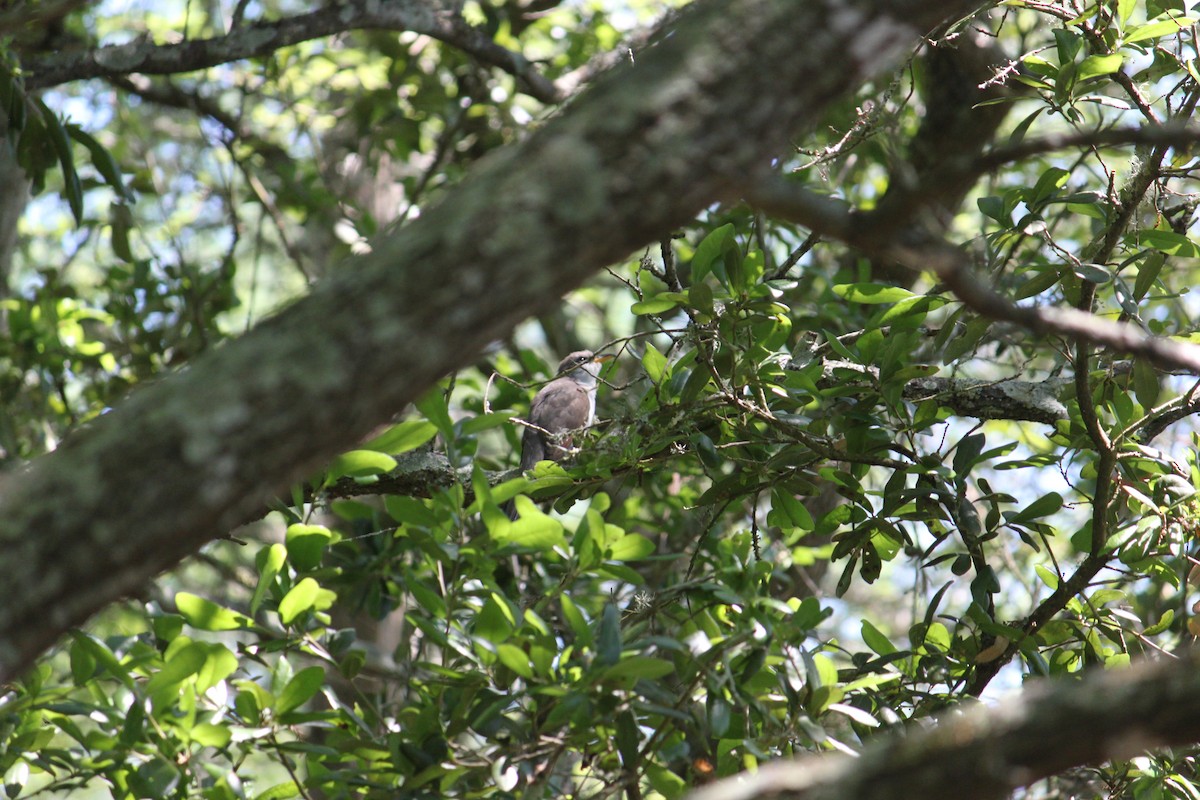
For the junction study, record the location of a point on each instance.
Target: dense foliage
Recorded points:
(826, 498)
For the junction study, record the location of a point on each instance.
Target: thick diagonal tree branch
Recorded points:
(921, 250)
(986, 752)
(637, 155)
(442, 21)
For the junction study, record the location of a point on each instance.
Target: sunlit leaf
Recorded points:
(1154, 30)
(207, 615)
(299, 690)
(360, 464)
(401, 438)
(876, 640)
(630, 547)
(299, 599)
(532, 529)
(871, 293)
(654, 362)
(1097, 65)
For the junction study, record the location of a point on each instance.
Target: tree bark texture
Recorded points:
(983, 753)
(635, 156)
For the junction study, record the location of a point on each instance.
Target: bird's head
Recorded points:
(583, 366)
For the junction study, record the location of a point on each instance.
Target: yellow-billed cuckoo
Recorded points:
(565, 404)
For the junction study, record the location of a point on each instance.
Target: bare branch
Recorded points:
(920, 250)
(953, 266)
(951, 171)
(1168, 135)
(1009, 398)
(442, 22)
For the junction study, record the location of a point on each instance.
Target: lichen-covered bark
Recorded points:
(983, 753)
(637, 155)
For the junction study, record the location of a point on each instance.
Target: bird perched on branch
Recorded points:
(565, 404)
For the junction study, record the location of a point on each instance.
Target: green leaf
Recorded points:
(360, 464)
(120, 217)
(856, 714)
(627, 739)
(654, 362)
(875, 639)
(630, 547)
(207, 734)
(303, 685)
(269, 561)
(871, 293)
(352, 664)
(100, 654)
(655, 305)
(1048, 183)
(1047, 575)
(102, 160)
(433, 407)
(575, 619)
(608, 637)
(153, 778)
(937, 637)
(1154, 30)
(1146, 386)
(649, 284)
(1039, 282)
(1096, 273)
(402, 438)
(1163, 623)
(219, 665)
(208, 616)
(306, 545)
(495, 621)
(515, 659)
(301, 598)
(665, 782)
(182, 664)
(280, 791)
(485, 422)
(57, 134)
(700, 297)
(641, 667)
(985, 583)
(167, 627)
(1169, 242)
(409, 511)
(791, 506)
(1044, 506)
(967, 454)
(1095, 66)
(993, 207)
(532, 529)
(912, 309)
(710, 252)
(1148, 272)
(83, 665)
